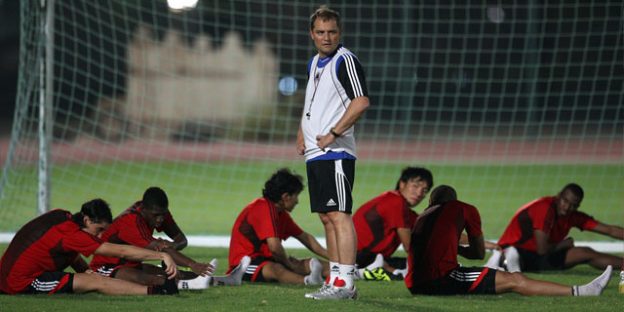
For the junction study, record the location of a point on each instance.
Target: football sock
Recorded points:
(316, 273)
(235, 278)
(333, 272)
(494, 261)
(345, 276)
(512, 259)
(595, 287)
(378, 262)
(200, 282)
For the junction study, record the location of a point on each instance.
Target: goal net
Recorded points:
(506, 102)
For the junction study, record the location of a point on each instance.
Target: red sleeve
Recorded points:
(394, 212)
(473, 221)
(135, 231)
(82, 242)
(583, 221)
(290, 227)
(264, 219)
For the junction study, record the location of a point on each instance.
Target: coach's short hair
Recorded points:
(442, 195)
(282, 181)
(97, 210)
(325, 13)
(155, 198)
(409, 173)
(575, 189)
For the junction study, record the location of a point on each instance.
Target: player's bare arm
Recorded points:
(198, 268)
(475, 248)
(614, 231)
(541, 240)
(356, 108)
(463, 240)
(280, 256)
(300, 142)
(179, 239)
(405, 236)
(138, 254)
(312, 244)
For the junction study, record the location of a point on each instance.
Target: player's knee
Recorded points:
(516, 279)
(87, 282)
(324, 218)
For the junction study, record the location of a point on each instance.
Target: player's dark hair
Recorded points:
(97, 210)
(155, 198)
(575, 189)
(409, 173)
(282, 181)
(442, 195)
(325, 14)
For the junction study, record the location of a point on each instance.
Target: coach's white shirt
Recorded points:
(325, 102)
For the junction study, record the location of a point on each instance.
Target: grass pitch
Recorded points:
(374, 296)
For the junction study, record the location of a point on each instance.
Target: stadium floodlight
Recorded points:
(181, 5)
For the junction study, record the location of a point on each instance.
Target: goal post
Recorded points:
(506, 102)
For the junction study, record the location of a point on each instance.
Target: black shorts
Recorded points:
(51, 283)
(461, 281)
(254, 270)
(531, 261)
(330, 183)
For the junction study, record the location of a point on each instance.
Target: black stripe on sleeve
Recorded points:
(351, 76)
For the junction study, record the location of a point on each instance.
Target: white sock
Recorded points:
(400, 272)
(333, 272)
(316, 273)
(512, 259)
(200, 282)
(346, 276)
(595, 287)
(378, 262)
(493, 262)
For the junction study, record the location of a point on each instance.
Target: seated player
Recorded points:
(260, 228)
(432, 258)
(385, 222)
(35, 259)
(135, 227)
(537, 239)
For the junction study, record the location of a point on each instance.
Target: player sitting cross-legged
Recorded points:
(135, 227)
(260, 228)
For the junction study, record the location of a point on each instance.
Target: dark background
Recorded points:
(9, 55)
(557, 65)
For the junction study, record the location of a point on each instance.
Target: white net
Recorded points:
(505, 102)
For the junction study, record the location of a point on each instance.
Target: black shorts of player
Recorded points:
(461, 281)
(397, 262)
(330, 183)
(364, 258)
(51, 283)
(531, 261)
(254, 270)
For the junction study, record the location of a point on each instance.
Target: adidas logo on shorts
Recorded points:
(331, 203)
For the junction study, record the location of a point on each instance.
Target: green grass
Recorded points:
(374, 296)
(205, 198)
